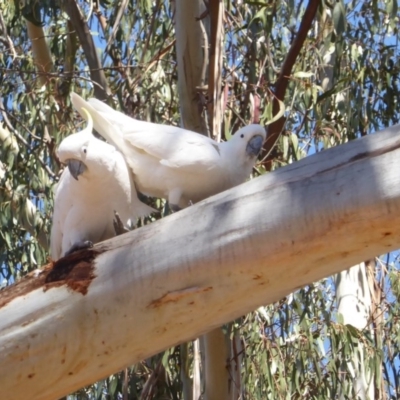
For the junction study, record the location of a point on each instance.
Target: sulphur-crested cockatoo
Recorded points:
(96, 183)
(173, 163)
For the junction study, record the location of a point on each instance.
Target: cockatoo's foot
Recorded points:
(81, 245)
(174, 208)
(174, 198)
(119, 227)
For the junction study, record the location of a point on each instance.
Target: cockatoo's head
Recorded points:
(81, 151)
(250, 139)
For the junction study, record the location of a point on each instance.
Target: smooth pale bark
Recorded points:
(216, 352)
(216, 12)
(354, 304)
(192, 51)
(216, 355)
(196, 370)
(173, 280)
(192, 59)
(235, 364)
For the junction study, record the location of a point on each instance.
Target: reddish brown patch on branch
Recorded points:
(173, 297)
(75, 271)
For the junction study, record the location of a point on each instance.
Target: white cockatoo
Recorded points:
(96, 183)
(174, 163)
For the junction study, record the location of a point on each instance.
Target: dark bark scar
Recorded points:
(76, 271)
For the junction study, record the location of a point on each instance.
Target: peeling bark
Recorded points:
(75, 272)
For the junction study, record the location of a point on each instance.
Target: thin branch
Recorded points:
(120, 13)
(276, 127)
(30, 218)
(7, 40)
(101, 90)
(40, 50)
(21, 138)
(69, 59)
(151, 31)
(9, 124)
(111, 49)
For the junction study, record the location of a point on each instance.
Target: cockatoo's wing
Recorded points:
(106, 127)
(96, 183)
(174, 147)
(174, 163)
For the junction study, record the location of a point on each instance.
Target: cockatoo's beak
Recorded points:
(76, 167)
(254, 145)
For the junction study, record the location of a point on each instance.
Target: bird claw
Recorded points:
(119, 227)
(174, 208)
(81, 245)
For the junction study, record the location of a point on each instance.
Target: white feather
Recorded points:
(84, 208)
(174, 163)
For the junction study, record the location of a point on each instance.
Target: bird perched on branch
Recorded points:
(173, 163)
(96, 183)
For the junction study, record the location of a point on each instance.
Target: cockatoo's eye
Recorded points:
(84, 149)
(242, 136)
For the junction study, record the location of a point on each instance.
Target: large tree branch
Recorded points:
(274, 130)
(95, 312)
(96, 71)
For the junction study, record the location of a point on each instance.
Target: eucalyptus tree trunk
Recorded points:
(192, 58)
(216, 355)
(196, 28)
(40, 50)
(215, 114)
(73, 322)
(352, 289)
(197, 381)
(354, 304)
